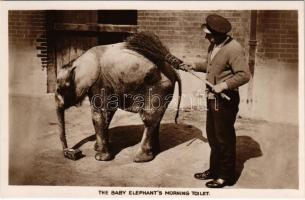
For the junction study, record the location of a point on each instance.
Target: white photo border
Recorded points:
(85, 192)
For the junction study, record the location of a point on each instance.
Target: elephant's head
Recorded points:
(73, 82)
(65, 94)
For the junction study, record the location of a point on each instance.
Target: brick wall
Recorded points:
(180, 30)
(25, 27)
(26, 75)
(277, 35)
(277, 51)
(277, 32)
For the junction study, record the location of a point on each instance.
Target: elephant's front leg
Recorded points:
(101, 123)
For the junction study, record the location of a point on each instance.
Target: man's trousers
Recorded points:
(221, 116)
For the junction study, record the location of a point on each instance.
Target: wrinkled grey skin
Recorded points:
(115, 70)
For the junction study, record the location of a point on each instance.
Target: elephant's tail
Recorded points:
(178, 79)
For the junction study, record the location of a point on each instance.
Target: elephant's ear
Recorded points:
(86, 73)
(65, 76)
(71, 72)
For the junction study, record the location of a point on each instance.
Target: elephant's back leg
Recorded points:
(156, 103)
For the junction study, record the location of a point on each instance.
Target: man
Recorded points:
(226, 69)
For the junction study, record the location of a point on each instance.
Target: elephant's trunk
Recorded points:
(178, 79)
(61, 124)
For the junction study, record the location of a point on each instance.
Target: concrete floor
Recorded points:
(267, 153)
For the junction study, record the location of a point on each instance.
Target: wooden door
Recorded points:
(72, 32)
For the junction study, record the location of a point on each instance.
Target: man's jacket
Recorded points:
(228, 65)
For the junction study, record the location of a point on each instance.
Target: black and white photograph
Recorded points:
(152, 99)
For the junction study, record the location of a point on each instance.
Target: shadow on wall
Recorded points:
(171, 135)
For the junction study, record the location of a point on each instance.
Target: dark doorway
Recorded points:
(123, 17)
(115, 17)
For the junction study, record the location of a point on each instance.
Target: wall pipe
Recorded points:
(252, 56)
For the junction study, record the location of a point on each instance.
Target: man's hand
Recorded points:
(185, 67)
(220, 87)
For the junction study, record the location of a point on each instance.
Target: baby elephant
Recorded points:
(113, 77)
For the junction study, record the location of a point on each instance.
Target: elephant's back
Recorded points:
(125, 70)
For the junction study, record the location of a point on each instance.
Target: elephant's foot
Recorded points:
(143, 156)
(102, 153)
(103, 156)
